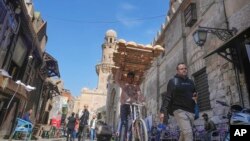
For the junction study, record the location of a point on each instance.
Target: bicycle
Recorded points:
(137, 130)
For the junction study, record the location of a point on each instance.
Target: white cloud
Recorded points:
(127, 6)
(150, 32)
(128, 21)
(124, 15)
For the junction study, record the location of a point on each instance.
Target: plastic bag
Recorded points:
(196, 111)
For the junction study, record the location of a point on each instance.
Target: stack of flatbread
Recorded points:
(137, 58)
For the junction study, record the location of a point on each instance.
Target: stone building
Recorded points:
(96, 99)
(219, 67)
(23, 62)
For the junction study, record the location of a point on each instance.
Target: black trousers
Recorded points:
(81, 132)
(124, 112)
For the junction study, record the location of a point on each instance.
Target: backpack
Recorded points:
(170, 105)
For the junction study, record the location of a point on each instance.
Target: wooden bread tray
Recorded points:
(137, 58)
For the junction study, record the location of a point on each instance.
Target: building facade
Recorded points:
(219, 67)
(96, 99)
(23, 60)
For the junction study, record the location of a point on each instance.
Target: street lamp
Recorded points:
(200, 35)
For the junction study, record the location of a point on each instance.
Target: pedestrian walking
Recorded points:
(76, 126)
(83, 123)
(93, 128)
(71, 127)
(180, 99)
(209, 127)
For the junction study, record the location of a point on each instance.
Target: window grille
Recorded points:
(190, 15)
(201, 83)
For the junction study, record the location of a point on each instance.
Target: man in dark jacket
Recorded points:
(83, 123)
(181, 90)
(71, 127)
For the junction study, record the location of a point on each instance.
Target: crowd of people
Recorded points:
(77, 127)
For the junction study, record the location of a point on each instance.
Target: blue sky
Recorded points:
(76, 30)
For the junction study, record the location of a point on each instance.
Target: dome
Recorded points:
(110, 33)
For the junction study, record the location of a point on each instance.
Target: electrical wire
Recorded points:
(111, 21)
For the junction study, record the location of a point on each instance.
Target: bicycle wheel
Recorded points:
(139, 131)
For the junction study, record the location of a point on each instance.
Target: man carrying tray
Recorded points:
(130, 93)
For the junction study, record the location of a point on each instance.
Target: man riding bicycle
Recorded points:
(130, 93)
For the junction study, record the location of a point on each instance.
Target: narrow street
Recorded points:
(165, 69)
